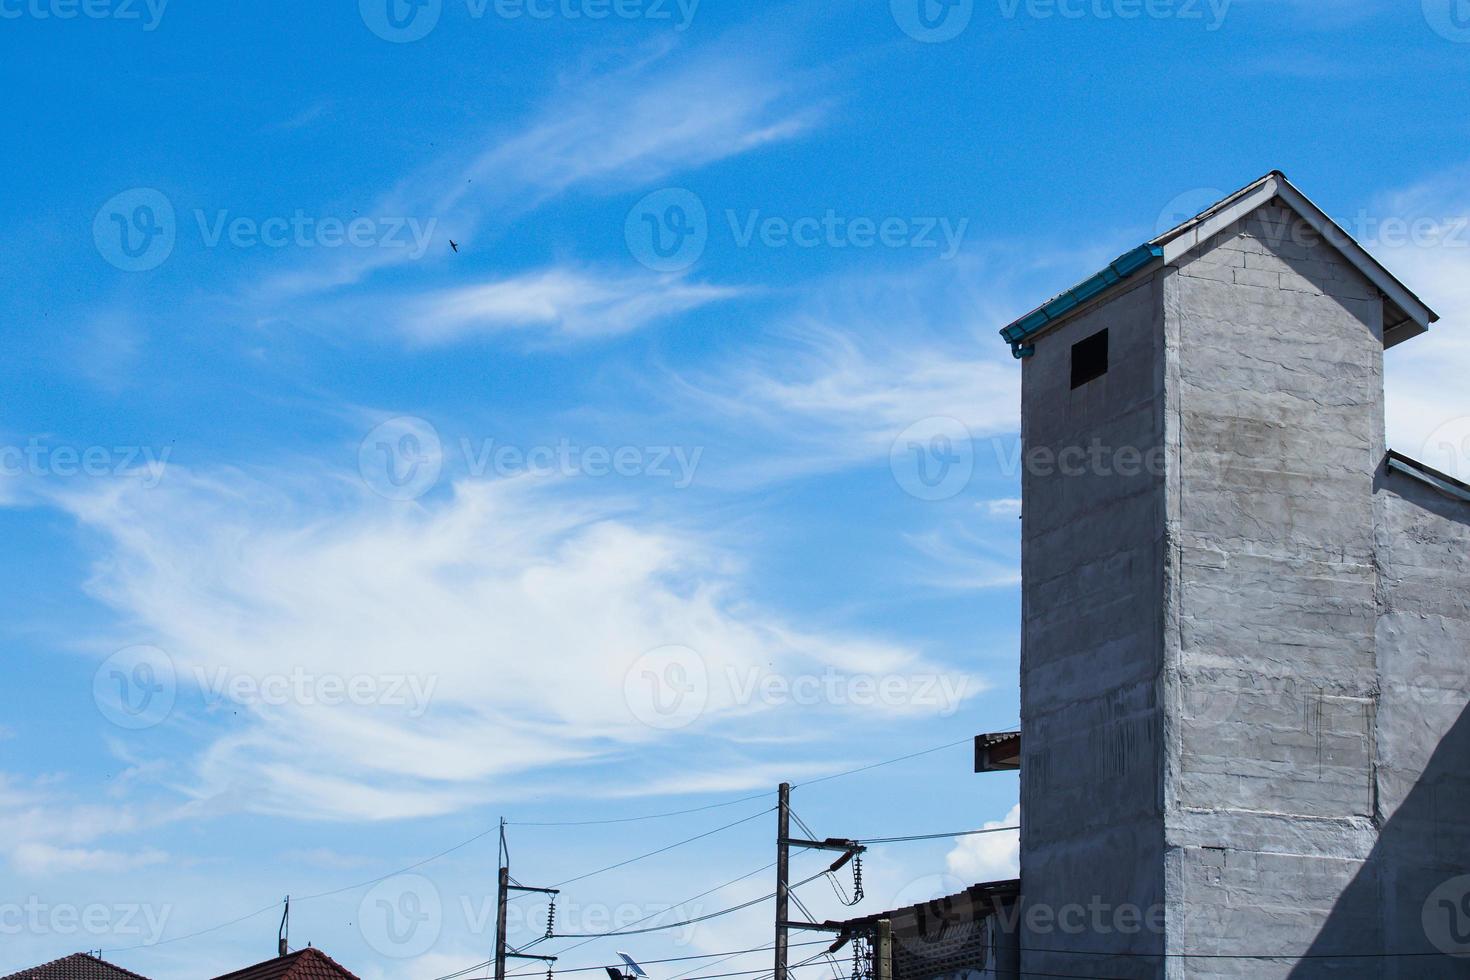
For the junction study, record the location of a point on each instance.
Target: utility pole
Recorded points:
(502, 898)
(883, 951)
(784, 843)
(503, 948)
(783, 874)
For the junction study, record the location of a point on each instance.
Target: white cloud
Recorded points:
(861, 361)
(523, 609)
(571, 303)
(1428, 405)
(988, 857)
(957, 557)
(665, 112)
(1004, 507)
(38, 859)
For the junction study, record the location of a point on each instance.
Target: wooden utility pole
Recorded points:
(783, 874)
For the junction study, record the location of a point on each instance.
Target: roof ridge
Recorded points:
(37, 971)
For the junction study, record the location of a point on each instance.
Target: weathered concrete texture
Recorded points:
(1243, 676)
(1276, 400)
(1423, 737)
(1093, 830)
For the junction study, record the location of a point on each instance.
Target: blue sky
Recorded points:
(330, 544)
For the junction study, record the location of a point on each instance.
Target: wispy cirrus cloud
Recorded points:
(669, 110)
(566, 303)
(515, 615)
(44, 859)
(841, 374)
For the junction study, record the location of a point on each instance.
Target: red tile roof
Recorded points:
(77, 966)
(304, 964)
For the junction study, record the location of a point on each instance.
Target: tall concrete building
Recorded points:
(1245, 748)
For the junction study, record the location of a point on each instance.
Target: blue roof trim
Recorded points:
(1125, 266)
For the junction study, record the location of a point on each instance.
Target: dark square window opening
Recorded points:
(1089, 358)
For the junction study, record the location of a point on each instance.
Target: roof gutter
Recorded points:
(1446, 485)
(1038, 320)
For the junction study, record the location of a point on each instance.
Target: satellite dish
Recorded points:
(633, 966)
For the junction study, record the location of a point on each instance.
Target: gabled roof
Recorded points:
(304, 964)
(77, 966)
(1405, 315)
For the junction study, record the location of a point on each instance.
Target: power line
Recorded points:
(743, 799)
(485, 833)
(956, 833)
(685, 922)
(192, 935)
(667, 959)
(646, 816)
(732, 881)
(669, 847)
(886, 762)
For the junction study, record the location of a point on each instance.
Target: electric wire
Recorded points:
(686, 922)
(953, 833)
(666, 848)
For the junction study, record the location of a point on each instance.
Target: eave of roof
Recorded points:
(1409, 314)
(978, 897)
(1443, 482)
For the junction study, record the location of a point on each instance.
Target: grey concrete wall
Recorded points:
(1092, 831)
(1423, 741)
(1244, 679)
(1275, 429)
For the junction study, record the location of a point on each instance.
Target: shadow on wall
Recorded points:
(1412, 896)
